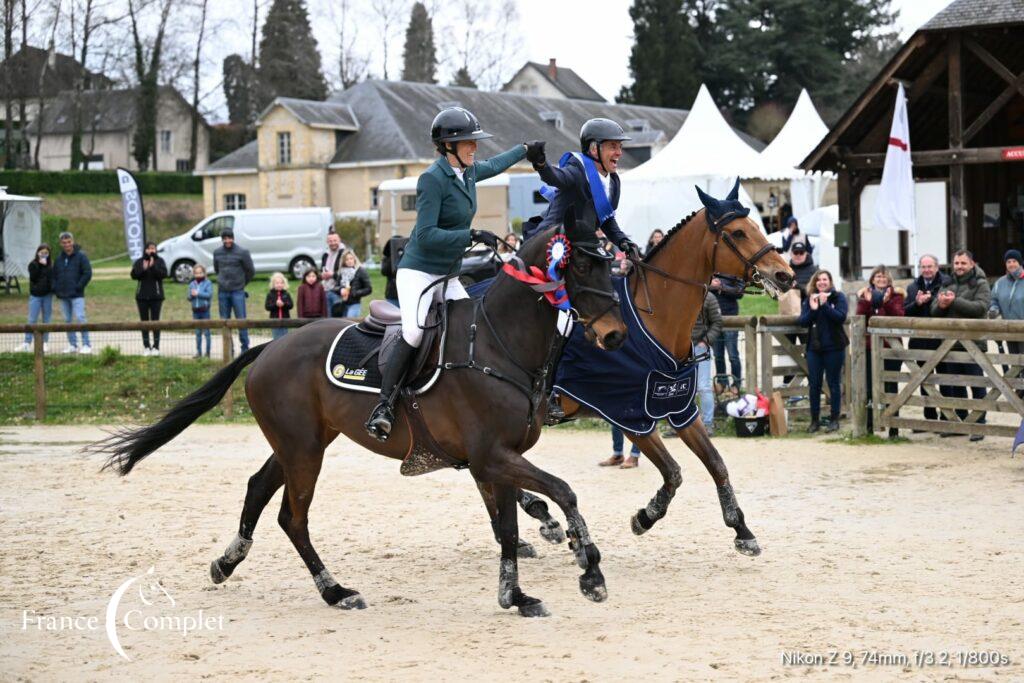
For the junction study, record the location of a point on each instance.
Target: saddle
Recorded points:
(361, 351)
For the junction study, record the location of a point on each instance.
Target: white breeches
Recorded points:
(415, 304)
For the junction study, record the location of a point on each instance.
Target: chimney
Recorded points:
(552, 69)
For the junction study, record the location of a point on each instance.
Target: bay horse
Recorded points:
(717, 240)
(473, 415)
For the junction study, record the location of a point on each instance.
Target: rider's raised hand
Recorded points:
(535, 153)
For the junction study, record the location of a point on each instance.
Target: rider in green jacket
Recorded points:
(445, 206)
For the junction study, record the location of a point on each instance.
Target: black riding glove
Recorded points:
(629, 247)
(535, 153)
(485, 237)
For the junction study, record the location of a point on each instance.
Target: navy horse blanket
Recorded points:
(633, 386)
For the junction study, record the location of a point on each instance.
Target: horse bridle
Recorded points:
(716, 226)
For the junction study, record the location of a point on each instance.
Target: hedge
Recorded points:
(97, 182)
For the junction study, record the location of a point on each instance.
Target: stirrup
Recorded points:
(555, 415)
(381, 421)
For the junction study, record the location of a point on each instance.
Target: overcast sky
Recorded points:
(593, 37)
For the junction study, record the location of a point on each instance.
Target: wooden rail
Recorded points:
(961, 344)
(225, 326)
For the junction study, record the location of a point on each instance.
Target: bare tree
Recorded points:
(86, 20)
(486, 43)
(194, 139)
(50, 53)
(389, 15)
(9, 7)
(147, 71)
(351, 63)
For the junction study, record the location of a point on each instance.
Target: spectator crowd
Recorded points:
(339, 285)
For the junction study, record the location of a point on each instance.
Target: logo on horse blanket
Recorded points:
(633, 386)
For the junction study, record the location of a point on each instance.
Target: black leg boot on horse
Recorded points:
(392, 379)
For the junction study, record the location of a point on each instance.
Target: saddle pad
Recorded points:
(351, 363)
(633, 386)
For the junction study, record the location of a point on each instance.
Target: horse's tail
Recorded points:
(128, 446)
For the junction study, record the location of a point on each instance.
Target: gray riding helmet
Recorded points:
(600, 130)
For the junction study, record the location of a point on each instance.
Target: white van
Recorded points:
(289, 240)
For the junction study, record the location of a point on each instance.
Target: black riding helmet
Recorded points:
(600, 130)
(454, 124)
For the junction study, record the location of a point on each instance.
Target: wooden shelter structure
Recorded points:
(964, 76)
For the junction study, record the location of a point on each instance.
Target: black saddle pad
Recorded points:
(352, 361)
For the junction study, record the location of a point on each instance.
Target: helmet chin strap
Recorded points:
(598, 159)
(451, 149)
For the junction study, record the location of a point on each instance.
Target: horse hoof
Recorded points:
(634, 524)
(552, 533)
(748, 547)
(217, 575)
(593, 592)
(354, 601)
(526, 550)
(536, 609)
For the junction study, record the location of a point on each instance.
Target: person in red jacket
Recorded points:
(312, 297)
(279, 303)
(880, 297)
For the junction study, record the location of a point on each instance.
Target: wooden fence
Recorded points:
(225, 326)
(961, 363)
(772, 361)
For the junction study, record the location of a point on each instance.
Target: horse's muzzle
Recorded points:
(613, 340)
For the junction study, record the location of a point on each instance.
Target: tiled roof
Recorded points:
(394, 120)
(318, 114)
(101, 110)
(568, 82)
(969, 13)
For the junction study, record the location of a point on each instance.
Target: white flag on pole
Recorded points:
(894, 208)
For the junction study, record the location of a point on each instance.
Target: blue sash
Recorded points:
(601, 202)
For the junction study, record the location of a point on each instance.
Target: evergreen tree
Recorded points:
(462, 79)
(240, 89)
(663, 61)
(289, 64)
(420, 57)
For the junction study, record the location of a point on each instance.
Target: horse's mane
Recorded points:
(668, 235)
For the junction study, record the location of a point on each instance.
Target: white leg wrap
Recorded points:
(237, 549)
(324, 580)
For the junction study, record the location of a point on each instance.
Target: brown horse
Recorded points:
(717, 240)
(483, 412)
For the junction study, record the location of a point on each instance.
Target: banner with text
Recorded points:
(134, 218)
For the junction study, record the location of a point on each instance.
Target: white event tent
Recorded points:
(799, 136)
(20, 232)
(707, 152)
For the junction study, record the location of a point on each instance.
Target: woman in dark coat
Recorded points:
(40, 290)
(150, 271)
(824, 313)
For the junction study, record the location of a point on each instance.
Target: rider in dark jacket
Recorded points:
(601, 142)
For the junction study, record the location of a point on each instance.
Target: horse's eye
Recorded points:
(739, 234)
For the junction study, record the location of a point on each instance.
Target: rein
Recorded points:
(551, 289)
(750, 271)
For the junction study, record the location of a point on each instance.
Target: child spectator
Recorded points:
(355, 284)
(312, 298)
(150, 270)
(200, 296)
(279, 303)
(40, 290)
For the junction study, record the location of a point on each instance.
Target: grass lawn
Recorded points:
(114, 300)
(107, 388)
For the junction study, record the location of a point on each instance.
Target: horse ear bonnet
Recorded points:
(716, 208)
(583, 236)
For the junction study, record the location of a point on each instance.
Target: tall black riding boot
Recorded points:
(383, 415)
